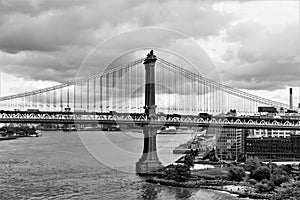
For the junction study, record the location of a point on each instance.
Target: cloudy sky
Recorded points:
(255, 45)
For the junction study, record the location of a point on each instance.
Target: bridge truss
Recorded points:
(141, 120)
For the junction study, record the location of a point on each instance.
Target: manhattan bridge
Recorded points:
(149, 92)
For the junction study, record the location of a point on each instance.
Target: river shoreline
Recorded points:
(58, 165)
(219, 185)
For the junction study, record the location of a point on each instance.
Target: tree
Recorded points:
(288, 168)
(189, 160)
(261, 173)
(241, 157)
(252, 164)
(265, 186)
(279, 176)
(178, 173)
(236, 173)
(288, 191)
(252, 181)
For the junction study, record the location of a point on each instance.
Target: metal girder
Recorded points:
(143, 120)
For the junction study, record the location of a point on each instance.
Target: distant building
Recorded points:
(258, 133)
(274, 148)
(229, 143)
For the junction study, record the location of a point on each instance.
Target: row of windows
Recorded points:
(285, 150)
(274, 155)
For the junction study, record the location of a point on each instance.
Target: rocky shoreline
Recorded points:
(210, 184)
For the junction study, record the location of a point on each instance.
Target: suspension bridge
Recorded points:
(149, 92)
(119, 94)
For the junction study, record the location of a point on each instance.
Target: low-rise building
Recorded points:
(258, 133)
(274, 148)
(229, 143)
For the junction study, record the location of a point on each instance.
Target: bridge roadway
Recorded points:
(140, 119)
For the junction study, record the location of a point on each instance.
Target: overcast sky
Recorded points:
(255, 45)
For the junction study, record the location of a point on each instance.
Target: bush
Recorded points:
(265, 186)
(252, 164)
(279, 176)
(261, 173)
(189, 160)
(207, 177)
(287, 168)
(177, 172)
(289, 191)
(279, 179)
(236, 174)
(252, 181)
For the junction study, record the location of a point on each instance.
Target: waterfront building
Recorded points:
(258, 133)
(274, 148)
(229, 143)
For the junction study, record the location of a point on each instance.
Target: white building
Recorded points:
(256, 133)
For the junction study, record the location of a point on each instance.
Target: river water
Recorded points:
(87, 165)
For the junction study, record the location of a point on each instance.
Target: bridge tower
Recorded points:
(149, 161)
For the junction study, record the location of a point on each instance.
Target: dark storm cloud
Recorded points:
(37, 66)
(35, 7)
(51, 38)
(96, 21)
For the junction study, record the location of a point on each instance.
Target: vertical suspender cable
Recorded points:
(88, 95)
(94, 94)
(50, 105)
(204, 97)
(61, 99)
(107, 91)
(120, 89)
(136, 89)
(113, 91)
(40, 103)
(100, 97)
(210, 98)
(47, 100)
(74, 97)
(127, 90)
(68, 97)
(81, 84)
(54, 100)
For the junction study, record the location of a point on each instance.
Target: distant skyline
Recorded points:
(255, 45)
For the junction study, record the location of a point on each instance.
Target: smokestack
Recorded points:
(291, 98)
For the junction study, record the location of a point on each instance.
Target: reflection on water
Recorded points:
(58, 166)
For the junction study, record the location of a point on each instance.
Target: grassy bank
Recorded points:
(220, 185)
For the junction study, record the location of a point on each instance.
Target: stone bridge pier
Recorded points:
(149, 162)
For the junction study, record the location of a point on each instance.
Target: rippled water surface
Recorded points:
(86, 165)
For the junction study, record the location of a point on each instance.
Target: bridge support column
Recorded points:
(149, 162)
